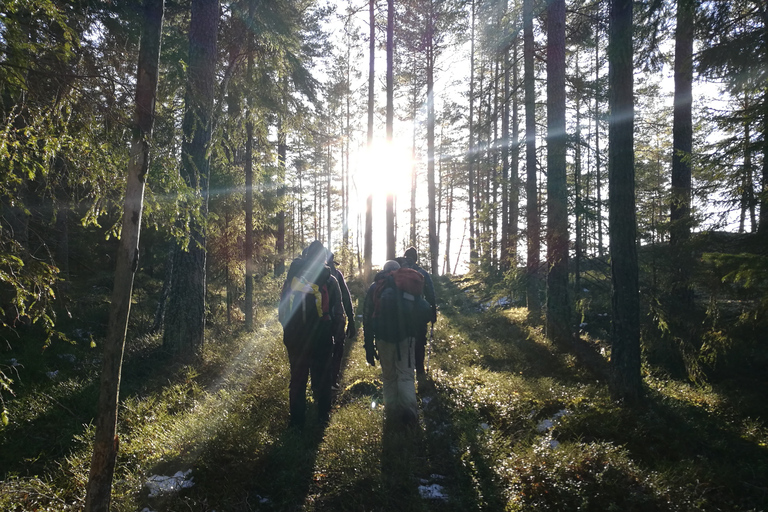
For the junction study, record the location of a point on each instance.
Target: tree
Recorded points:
(185, 317)
(531, 189)
(626, 381)
(558, 308)
(390, 214)
(368, 243)
(105, 440)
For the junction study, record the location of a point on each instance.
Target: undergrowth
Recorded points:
(507, 422)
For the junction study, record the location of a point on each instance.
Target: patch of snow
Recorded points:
(158, 485)
(544, 425)
(432, 492)
(373, 404)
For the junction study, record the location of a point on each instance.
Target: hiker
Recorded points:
(311, 314)
(411, 257)
(341, 335)
(394, 307)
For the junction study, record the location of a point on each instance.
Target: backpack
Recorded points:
(399, 305)
(304, 301)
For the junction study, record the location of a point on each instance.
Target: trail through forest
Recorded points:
(507, 422)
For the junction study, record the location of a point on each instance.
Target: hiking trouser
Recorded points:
(397, 373)
(310, 359)
(338, 355)
(421, 348)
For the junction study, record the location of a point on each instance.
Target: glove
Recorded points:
(370, 354)
(351, 329)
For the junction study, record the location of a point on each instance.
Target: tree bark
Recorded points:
(390, 214)
(558, 307)
(626, 381)
(105, 445)
(531, 189)
(185, 318)
(368, 242)
(471, 159)
(249, 225)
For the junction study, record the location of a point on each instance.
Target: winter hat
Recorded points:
(390, 265)
(315, 252)
(412, 254)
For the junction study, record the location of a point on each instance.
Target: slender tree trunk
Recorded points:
(282, 158)
(390, 122)
(626, 381)
(185, 317)
(471, 159)
(448, 223)
(558, 307)
(531, 189)
(414, 107)
(249, 224)
(514, 182)
(598, 181)
(368, 243)
(505, 213)
(105, 444)
(434, 248)
(682, 125)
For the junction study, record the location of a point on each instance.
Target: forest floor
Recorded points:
(507, 423)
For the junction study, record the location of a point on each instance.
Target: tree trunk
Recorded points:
(514, 166)
(434, 248)
(471, 159)
(185, 317)
(626, 381)
(105, 444)
(531, 189)
(682, 125)
(558, 307)
(249, 224)
(368, 242)
(390, 219)
(282, 155)
(505, 214)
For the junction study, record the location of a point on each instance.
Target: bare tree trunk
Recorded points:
(626, 381)
(531, 190)
(185, 318)
(282, 158)
(105, 444)
(249, 224)
(471, 160)
(558, 307)
(390, 122)
(368, 243)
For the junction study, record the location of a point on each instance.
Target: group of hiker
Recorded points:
(317, 316)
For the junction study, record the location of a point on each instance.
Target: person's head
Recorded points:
(390, 265)
(315, 253)
(411, 254)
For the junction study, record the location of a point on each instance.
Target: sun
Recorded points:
(383, 169)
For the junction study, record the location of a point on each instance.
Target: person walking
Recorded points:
(411, 260)
(311, 313)
(341, 334)
(394, 306)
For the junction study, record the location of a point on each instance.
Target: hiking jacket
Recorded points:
(346, 298)
(335, 310)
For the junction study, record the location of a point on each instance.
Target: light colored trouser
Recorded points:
(398, 374)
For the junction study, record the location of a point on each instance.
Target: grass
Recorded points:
(507, 423)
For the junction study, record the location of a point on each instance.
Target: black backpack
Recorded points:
(400, 309)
